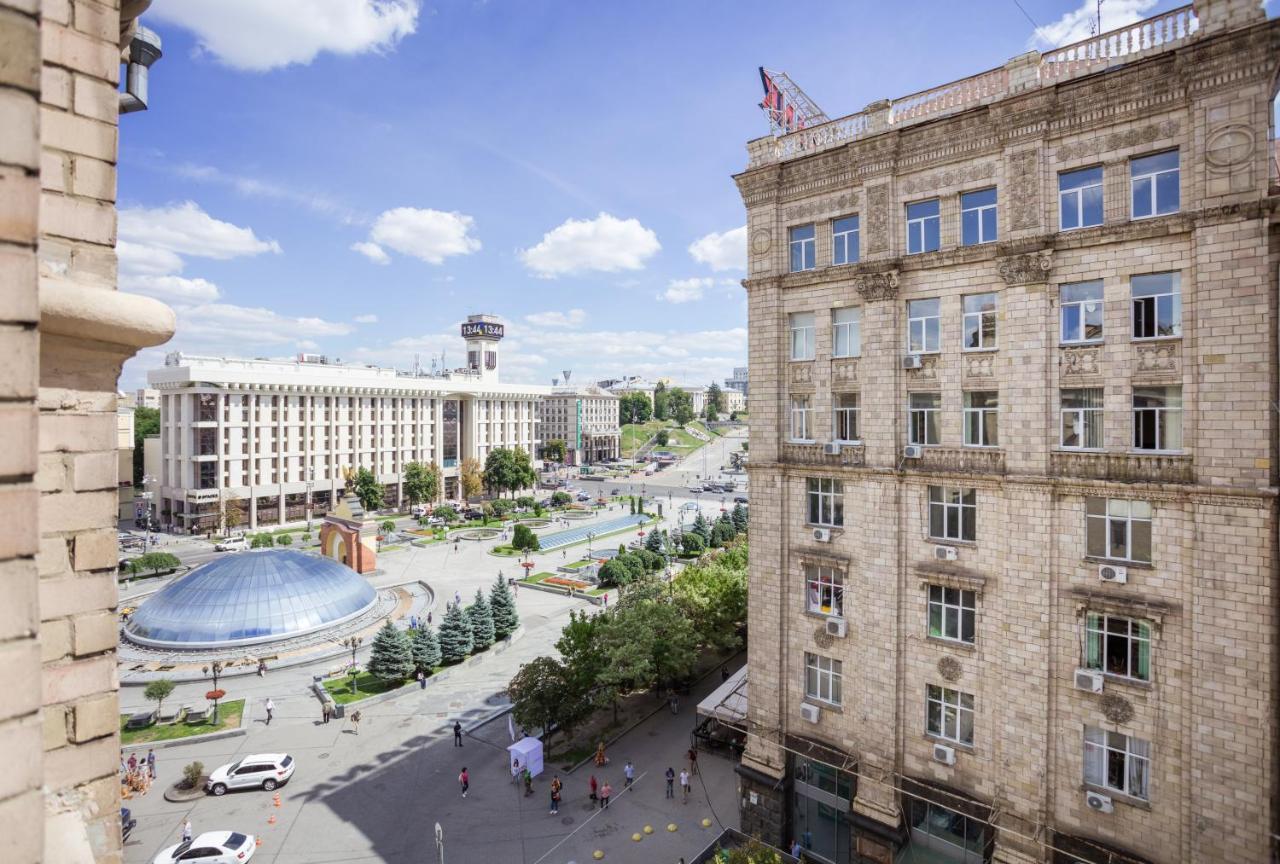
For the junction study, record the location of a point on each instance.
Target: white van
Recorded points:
(233, 544)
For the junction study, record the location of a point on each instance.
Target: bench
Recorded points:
(196, 715)
(140, 720)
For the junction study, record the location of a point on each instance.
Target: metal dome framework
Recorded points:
(250, 598)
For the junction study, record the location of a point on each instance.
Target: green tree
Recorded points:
(652, 561)
(503, 606)
(154, 562)
(481, 618)
(723, 532)
(542, 697)
(502, 507)
(634, 407)
(559, 499)
(445, 512)
(580, 649)
(146, 422)
(499, 471)
(691, 543)
(660, 408)
(261, 541)
(524, 475)
(421, 482)
(662, 438)
(387, 526)
(391, 658)
(284, 540)
(425, 649)
(367, 488)
(680, 406)
(739, 517)
(647, 644)
(526, 502)
(471, 478)
(614, 572)
(524, 539)
(555, 450)
(158, 691)
(653, 542)
(702, 527)
(715, 400)
(232, 516)
(455, 636)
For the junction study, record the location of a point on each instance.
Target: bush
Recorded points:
(502, 506)
(524, 539)
(445, 512)
(653, 562)
(261, 541)
(284, 540)
(663, 437)
(154, 562)
(525, 502)
(387, 526)
(306, 537)
(192, 775)
(691, 543)
(559, 499)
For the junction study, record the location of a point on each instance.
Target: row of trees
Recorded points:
(635, 408)
(505, 470)
(266, 540)
(650, 640)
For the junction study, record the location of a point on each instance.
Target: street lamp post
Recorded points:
(590, 536)
(216, 669)
(311, 482)
(353, 642)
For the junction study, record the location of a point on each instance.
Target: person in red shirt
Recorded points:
(464, 780)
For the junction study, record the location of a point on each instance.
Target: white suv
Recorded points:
(259, 771)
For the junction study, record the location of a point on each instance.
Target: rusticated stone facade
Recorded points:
(65, 332)
(1185, 704)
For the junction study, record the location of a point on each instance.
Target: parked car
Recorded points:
(232, 544)
(127, 823)
(583, 496)
(472, 514)
(740, 499)
(695, 489)
(259, 771)
(435, 520)
(614, 492)
(712, 487)
(689, 505)
(211, 847)
(417, 511)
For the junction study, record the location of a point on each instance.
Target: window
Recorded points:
(1081, 304)
(1118, 529)
(923, 227)
(1153, 182)
(1082, 419)
(951, 613)
(802, 335)
(804, 254)
(800, 412)
(1118, 646)
(978, 217)
(1157, 418)
(844, 240)
(822, 678)
(924, 326)
(1116, 762)
(981, 413)
(1080, 198)
(953, 513)
(846, 412)
(940, 834)
(826, 501)
(824, 590)
(979, 322)
(923, 410)
(950, 714)
(1157, 306)
(846, 326)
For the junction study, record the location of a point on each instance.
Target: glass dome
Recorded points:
(250, 597)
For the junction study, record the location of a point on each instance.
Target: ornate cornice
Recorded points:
(1026, 269)
(877, 286)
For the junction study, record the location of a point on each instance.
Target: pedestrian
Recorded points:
(186, 831)
(601, 759)
(675, 703)
(594, 788)
(606, 792)
(262, 668)
(428, 617)
(724, 673)
(693, 760)
(457, 599)
(422, 680)
(628, 772)
(355, 721)
(555, 796)
(271, 707)
(413, 622)
(528, 781)
(151, 763)
(684, 784)
(515, 772)
(133, 763)
(457, 734)
(795, 849)
(464, 780)
(326, 710)
(671, 782)
(606, 599)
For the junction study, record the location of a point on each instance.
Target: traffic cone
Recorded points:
(271, 820)
(257, 841)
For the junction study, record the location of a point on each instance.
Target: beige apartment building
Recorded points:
(65, 331)
(587, 418)
(1013, 457)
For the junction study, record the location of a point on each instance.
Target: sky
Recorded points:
(355, 177)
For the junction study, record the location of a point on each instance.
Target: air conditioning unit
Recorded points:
(912, 451)
(912, 361)
(822, 535)
(831, 448)
(945, 553)
(1089, 680)
(945, 755)
(1111, 573)
(836, 627)
(1099, 802)
(810, 712)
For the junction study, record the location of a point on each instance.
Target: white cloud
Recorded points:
(185, 229)
(1078, 23)
(430, 235)
(686, 290)
(253, 187)
(147, 260)
(725, 251)
(572, 318)
(245, 330)
(605, 244)
(171, 289)
(372, 251)
(255, 35)
(366, 319)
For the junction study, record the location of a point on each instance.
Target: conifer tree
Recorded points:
(702, 528)
(392, 658)
(653, 542)
(455, 636)
(426, 649)
(481, 617)
(739, 517)
(503, 606)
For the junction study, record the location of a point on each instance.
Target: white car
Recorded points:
(232, 544)
(211, 847)
(259, 771)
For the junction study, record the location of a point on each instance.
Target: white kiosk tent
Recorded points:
(527, 753)
(722, 715)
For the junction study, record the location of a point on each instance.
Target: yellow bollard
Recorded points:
(671, 827)
(636, 836)
(598, 854)
(706, 823)
(648, 829)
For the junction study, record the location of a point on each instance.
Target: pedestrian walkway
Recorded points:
(577, 534)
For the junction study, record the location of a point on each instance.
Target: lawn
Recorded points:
(682, 442)
(577, 565)
(229, 714)
(507, 551)
(340, 688)
(634, 435)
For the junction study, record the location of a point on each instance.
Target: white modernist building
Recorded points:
(587, 419)
(270, 438)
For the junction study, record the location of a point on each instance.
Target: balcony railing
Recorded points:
(962, 460)
(1124, 467)
(850, 455)
(1122, 45)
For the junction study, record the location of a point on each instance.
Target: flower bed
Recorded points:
(577, 584)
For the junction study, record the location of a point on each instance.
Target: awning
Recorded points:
(728, 702)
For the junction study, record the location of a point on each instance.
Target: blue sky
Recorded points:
(353, 177)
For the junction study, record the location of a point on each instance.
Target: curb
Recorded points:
(243, 729)
(563, 592)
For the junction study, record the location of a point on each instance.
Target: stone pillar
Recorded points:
(1026, 319)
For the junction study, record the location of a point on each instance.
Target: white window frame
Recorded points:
(1171, 298)
(921, 345)
(929, 419)
(823, 679)
(1081, 418)
(980, 210)
(1119, 512)
(808, 247)
(979, 318)
(822, 581)
(852, 418)
(1166, 417)
(1151, 177)
(953, 503)
(848, 331)
(1082, 307)
(844, 241)
(952, 616)
(919, 224)
(806, 332)
(954, 706)
(1078, 194)
(975, 419)
(828, 494)
(1137, 632)
(1101, 745)
(801, 418)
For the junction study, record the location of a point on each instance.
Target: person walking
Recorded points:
(671, 782)
(693, 760)
(464, 781)
(355, 721)
(556, 786)
(606, 792)
(595, 787)
(133, 763)
(795, 849)
(151, 763)
(186, 831)
(684, 784)
(271, 707)
(457, 599)
(629, 774)
(422, 680)
(516, 771)
(528, 781)
(326, 710)
(457, 733)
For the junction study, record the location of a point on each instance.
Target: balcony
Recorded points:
(850, 456)
(1124, 467)
(961, 460)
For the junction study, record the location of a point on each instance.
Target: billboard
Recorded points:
(482, 329)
